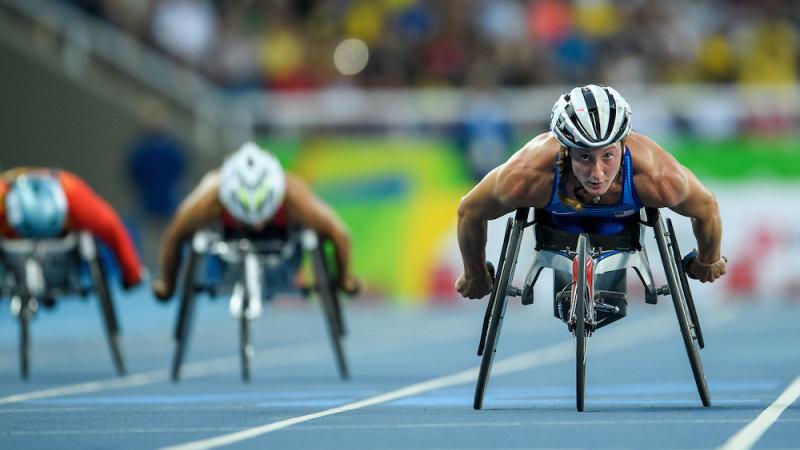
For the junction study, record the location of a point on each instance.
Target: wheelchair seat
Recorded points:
(549, 237)
(47, 267)
(555, 248)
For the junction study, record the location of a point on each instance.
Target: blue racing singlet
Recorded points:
(597, 219)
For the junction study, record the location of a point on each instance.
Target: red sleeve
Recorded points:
(87, 211)
(5, 228)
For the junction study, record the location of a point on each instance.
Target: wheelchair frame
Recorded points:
(582, 325)
(251, 256)
(27, 285)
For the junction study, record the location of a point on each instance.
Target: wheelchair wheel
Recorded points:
(687, 292)
(325, 291)
(676, 292)
(487, 316)
(25, 315)
(337, 301)
(185, 313)
(581, 327)
(337, 307)
(245, 346)
(499, 302)
(100, 282)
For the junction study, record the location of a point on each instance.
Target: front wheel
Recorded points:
(245, 346)
(24, 337)
(582, 295)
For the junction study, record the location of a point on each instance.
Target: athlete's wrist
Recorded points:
(704, 264)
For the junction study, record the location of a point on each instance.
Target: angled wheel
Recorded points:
(185, 313)
(100, 283)
(582, 329)
(499, 301)
(687, 292)
(676, 292)
(327, 299)
(488, 315)
(338, 308)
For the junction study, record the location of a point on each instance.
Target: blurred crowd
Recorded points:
(289, 44)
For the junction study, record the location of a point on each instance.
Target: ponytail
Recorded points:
(564, 162)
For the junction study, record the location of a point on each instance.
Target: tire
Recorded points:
(100, 282)
(488, 315)
(581, 328)
(185, 314)
(687, 292)
(245, 346)
(499, 303)
(24, 337)
(676, 292)
(338, 309)
(325, 289)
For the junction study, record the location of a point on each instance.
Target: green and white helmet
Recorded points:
(252, 184)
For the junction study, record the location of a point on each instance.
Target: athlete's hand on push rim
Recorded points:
(162, 291)
(706, 273)
(475, 286)
(351, 285)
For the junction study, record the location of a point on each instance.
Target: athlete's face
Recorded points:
(597, 169)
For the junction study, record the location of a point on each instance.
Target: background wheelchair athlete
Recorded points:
(49, 219)
(590, 174)
(253, 200)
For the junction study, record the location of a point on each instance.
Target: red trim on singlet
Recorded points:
(280, 219)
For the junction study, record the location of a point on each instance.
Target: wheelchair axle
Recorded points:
(513, 291)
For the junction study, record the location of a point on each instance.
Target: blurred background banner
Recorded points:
(394, 109)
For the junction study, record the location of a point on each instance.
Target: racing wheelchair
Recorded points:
(37, 271)
(578, 304)
(244, 262)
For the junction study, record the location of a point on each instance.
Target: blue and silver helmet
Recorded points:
(36, 206)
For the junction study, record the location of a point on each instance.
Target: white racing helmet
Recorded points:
(590, 117)
(252, 184)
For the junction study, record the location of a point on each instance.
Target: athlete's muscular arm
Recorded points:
(307, 209)
(522, 181)
(87, 211)
(200, 209)
(475, 210)
(670, 184)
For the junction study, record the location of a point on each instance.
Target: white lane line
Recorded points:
(615, 339)
(392, 426)
(749, 435)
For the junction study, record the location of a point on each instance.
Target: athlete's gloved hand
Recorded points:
(144, 275)
(162, 290)
(701, 271)
(351, 285)
(477, 286)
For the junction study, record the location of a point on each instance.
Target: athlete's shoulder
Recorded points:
(537, 155)
(526, 178)
(660, 180)
(206, 193)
